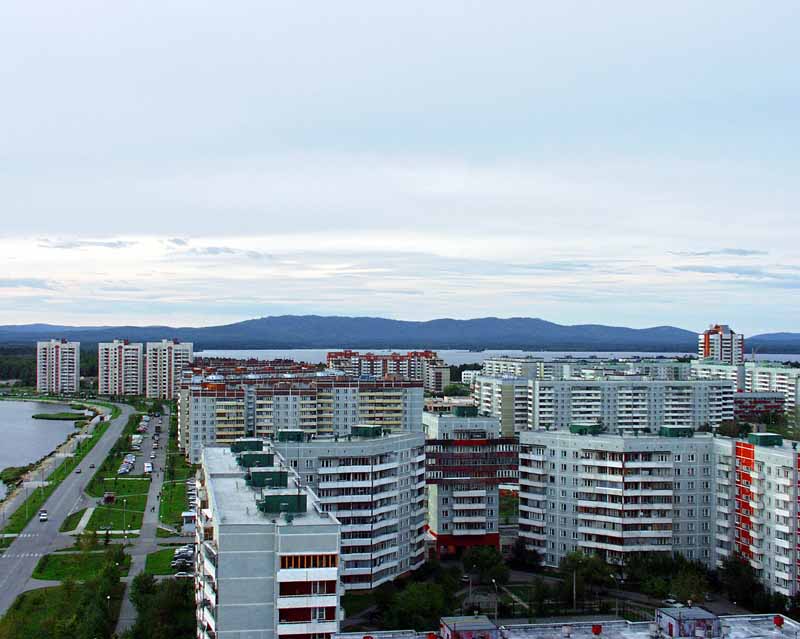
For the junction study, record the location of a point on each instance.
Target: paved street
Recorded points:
(19, 560)
(147, 541)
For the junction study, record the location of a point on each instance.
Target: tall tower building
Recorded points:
(120, 368)
(58, 366)
(721, 344)
(165, 361)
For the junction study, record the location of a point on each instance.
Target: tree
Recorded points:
(487, 562)
(738, 579)
(591, 569)
(419, 606)
(456, 390)
(143, 587)
(524, 558)
(691, 585)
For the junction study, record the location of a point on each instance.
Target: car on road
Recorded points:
(672, 603)
(77, 471)
(152, 455)
(91, 466)
(42, 515)
(183, 575)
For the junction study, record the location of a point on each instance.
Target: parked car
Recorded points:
(152, 455)
(184, 575)
(42, 515)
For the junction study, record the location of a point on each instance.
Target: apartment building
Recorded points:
(707, 369)
(510, 366)
(373, 482)
(505, 398)
(466, 461)
(585, 368)
(468, 376)
(58, 366)
(120, 368)
(754, 406)
(163, 365)
(267, 555)
(616, 495)
(721, 344)
(423, 366)
(769, 377)
(756, 507)
(629, 403)
(219, 407)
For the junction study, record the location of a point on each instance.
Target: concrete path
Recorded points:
(147, 541)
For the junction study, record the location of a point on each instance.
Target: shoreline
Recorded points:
(46, 464)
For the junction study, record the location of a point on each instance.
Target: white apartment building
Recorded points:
(629, 403)
(373, 482)
(774, 378)
(468, 376)
(120, 368)
(511, 366)
(721, 344)
(708, 369)
(163, 365)
(466, 461)
(267, 555)
(424, 366)
(505, 398)
(615, 495)
(58, 366)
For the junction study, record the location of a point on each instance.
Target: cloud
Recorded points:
(214, 251)
(737, 252)
(25, 282)
(177, 241)
(79, 244)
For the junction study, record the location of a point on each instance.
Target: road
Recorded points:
(37, 539)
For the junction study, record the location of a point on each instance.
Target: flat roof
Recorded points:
(469, 622)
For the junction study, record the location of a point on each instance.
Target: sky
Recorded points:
(197, 163)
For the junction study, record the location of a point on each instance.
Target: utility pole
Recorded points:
(574, 590)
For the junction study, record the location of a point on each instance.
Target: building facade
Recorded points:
(629, 403)
(721, 344)
(615, 496)
(220, 406)
(424, 366)
(373, 482)
(757, 406)
(466, 461)
(267, 555)
(120, 368)
(163, 365)
(505, 398)
(58, 366)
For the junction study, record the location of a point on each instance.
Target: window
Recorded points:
(309, 561)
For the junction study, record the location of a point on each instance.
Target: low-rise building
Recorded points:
(466, 461)
(58, 366)
(373, 482)
(267, 556)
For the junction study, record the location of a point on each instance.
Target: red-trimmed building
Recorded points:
(754, 406)
(423, 366)
(466, 460)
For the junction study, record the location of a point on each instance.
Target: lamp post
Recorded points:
(496, 599)
(124, 527)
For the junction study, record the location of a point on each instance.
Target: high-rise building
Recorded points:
(505, 398)
(58, 366)
(466, 461)
(219, 406)
(616, 496)
(629, 403)
(267, 555)
(423, 366)
(721, 344)
(373, 482)
(163, 365)
(120, 368)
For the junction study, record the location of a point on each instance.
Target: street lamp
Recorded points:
(496, 599)
(124, 527)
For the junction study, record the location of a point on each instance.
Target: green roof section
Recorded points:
(250, 443)
(291, 435)
(765, 439)
(465, 411)
(676, 431)
(584, 429)
(369, 431)
(267, 478)
(253, 458)
(283, 503)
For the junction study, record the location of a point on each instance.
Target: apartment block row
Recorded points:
(617, 403)
(755, 377)
(423, 366)
(701, 496)
(219, 406)
(373, 482)
(267, 560)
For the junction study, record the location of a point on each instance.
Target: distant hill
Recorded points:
(314, 331)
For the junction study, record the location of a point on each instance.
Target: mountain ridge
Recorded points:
(318, 331)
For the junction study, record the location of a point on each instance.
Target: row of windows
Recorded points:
(309, 561)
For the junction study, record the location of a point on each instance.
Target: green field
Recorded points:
(71, 522)
(158, 562)
(127, 512)
(173, 503)
(79, 566)
(59, 416)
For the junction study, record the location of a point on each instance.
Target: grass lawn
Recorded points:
(354, 603)
(158, 562)
(17, 522)
(173, 503)
(119, 485)
(59, 416)
(71, 522)
(115, 517)
(79, 566)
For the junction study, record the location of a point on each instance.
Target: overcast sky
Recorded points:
(193, 163)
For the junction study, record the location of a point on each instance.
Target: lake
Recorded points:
(452, 357)
(25, 439)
